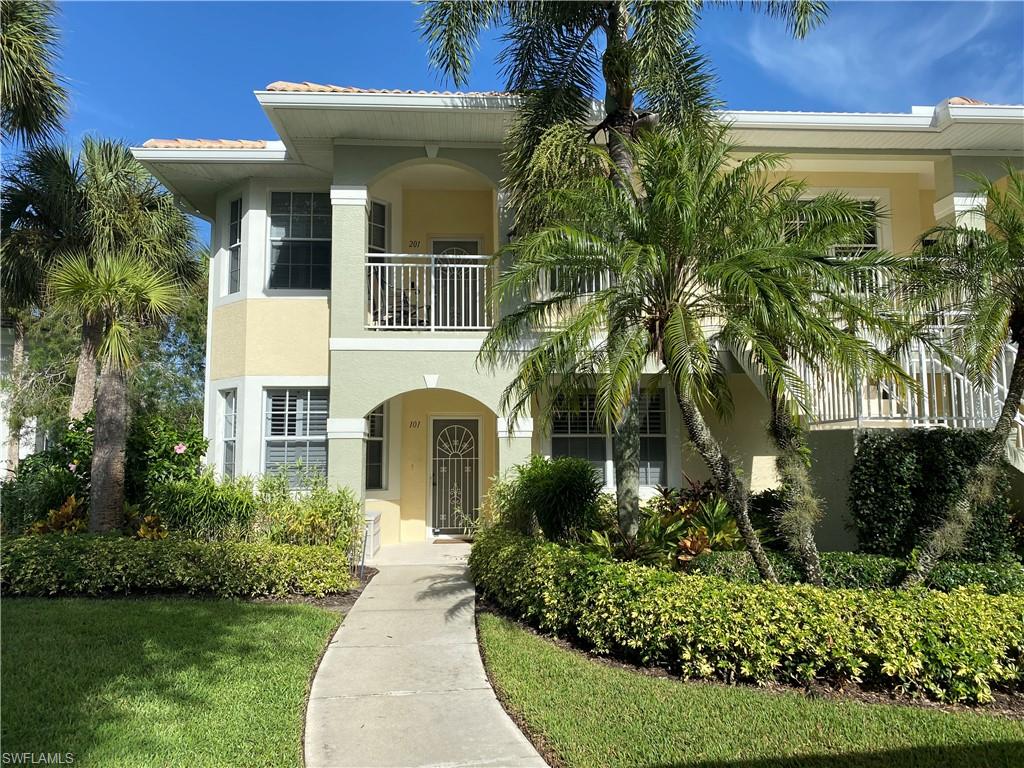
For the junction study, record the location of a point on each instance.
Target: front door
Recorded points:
(455, 474)
(459, 276)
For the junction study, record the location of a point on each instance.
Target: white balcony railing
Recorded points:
(422, 292)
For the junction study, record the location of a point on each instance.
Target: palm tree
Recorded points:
(699, 263)
(101, 202)
(32, 96)
(975, 278)
(638, 56)
(119, 293)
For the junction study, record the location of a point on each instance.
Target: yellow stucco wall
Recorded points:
(744, 437)
(406, 518)
(441, 213)
(910, 206)
(269, 337)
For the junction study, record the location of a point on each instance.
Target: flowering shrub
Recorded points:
(952, 647)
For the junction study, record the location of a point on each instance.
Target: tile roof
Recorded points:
(957, 101)
(284, 85)
(205, 144)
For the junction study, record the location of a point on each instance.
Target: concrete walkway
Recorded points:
(402, 684)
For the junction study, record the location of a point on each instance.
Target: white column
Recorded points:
(515, 443)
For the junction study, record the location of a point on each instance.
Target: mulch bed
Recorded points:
(1008, 705)
(341, 603)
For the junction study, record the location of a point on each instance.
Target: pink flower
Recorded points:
(72, 467)
(180, 448)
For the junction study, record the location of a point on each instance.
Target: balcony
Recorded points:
(423, 292)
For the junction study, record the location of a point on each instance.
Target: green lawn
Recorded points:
(591, 714)
(159, 682)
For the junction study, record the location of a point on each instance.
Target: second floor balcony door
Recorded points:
(459, 283)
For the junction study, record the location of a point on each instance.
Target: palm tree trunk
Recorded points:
(14, 421)
(85, 376)
(729, 485)
(949, 536)
(619, 116)
(801, 510)
(106, 501)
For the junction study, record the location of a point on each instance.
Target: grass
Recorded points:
(589, 714)
(152, 682)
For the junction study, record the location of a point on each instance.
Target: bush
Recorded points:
(158, 452)
(206, 509)
(316, 515)
(109, 565)
(901, 483)
(562, 496)
(955, 647)
(850, 570)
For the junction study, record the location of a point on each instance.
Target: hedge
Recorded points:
(953, 647)
(851, 570)
(901, 483)
(54, 564)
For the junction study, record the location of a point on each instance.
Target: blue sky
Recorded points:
(178, 69)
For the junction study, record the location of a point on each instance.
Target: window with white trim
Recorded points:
(869, 240)
(377, 227)
(229, 404)
(300, 240)
(235, 247)
(376, 449)
(577, 431)
(295, 432)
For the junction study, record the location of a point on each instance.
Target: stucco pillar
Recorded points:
(515, 443)
(346, 453)
(348, 258)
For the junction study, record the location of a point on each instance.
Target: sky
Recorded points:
(183, 69)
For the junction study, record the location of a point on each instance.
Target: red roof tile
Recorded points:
(205, 144)
(957, 101)
(284, 85)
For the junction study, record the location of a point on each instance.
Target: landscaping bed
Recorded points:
(159, 682)
(955, 647)
(582, 713)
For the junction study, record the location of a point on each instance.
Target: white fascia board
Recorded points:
(437, 343)
(419, 101)
(986, 113)
(864, 121)
(160, 155)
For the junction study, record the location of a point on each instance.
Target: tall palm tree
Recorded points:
(33, 100)
(637, 57)
(119, 293)
(100, 202)
(699, 263)
(975, 279)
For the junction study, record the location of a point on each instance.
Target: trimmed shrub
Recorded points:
(561, 496)
(952, 647)
(902, 481)
(54, 565)
(206, 509)
(850, 570)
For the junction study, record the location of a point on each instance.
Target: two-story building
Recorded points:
(350, 262)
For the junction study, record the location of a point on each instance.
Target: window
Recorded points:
(867, 241)
(295, 432)
(229, 398)
(375, 449)
(377, 228)
(576, 431)
(300, 240)
(235, 247)
(652, 438)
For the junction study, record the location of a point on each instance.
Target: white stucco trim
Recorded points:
(395, 344)
(347, 429)
(348, 195)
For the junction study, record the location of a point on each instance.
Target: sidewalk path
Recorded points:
(401, 684)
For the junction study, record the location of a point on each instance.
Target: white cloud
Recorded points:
(868, 56)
